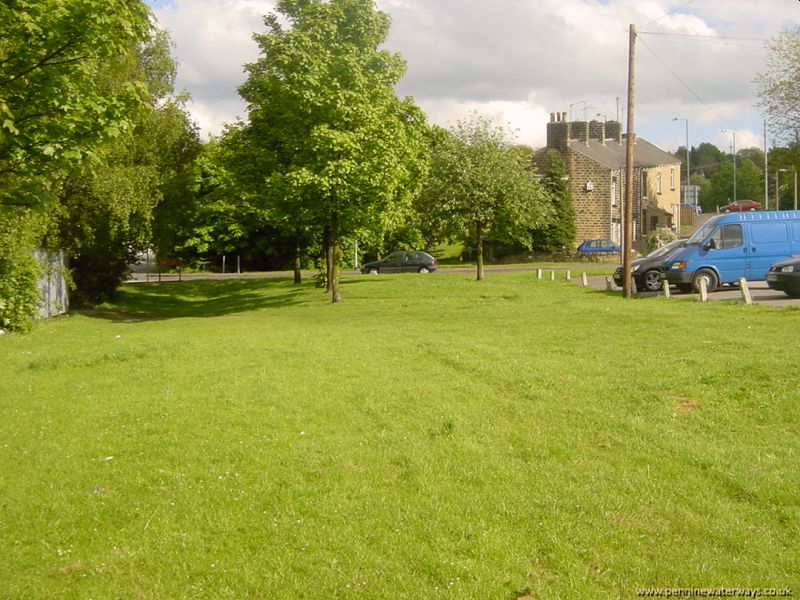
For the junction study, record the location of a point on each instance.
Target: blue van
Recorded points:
(734, 245)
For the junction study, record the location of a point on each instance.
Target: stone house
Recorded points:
(594, 153)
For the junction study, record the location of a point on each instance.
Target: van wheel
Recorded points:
(711, 280)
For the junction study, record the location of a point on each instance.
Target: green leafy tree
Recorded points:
(779, 85)
(704, 192)
(107, 206)
(787, 161)
(559, 234)
(484, 186)
(53, 107)
(749, 184)
(337, 149)
(707, 159)
(217, 215)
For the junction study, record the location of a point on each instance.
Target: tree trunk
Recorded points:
(326, 249)
(298, 278)
(333, 276)
(479, 248)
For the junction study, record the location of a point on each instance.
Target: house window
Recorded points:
(658, 182)
(644, 185)
(613, 190)
(672, 179)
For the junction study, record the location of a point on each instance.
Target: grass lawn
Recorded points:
(431, 437)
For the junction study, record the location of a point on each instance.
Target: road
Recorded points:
(759, 293)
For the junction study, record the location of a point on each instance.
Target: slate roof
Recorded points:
(612, 154)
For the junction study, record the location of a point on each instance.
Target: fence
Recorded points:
(52, 283)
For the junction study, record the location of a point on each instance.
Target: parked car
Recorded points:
(740, 206)
(784, 276)
(646, 271)
(598, 247)
(402, 261)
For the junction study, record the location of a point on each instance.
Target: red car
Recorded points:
(740, 206)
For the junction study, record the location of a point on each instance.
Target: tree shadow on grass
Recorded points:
(200, 299)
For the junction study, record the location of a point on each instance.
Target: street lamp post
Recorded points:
(584, 102)
(688, 168)
(733, 131)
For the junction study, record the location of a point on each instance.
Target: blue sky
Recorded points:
(519, 60)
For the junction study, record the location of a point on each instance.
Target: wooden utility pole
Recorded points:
(627, 238)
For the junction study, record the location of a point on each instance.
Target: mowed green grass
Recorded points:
(431, 437)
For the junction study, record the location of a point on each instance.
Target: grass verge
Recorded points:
(431, 437)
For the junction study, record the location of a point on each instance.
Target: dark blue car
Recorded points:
(598, 247)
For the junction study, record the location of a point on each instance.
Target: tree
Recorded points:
(559, 235)
(749, 184)
(779, 85)
(337, 149)
(484, 186)
(106, 206)
(704, 192)
(53, 109)
(706, 159)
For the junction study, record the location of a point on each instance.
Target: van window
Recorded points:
(769, 232)
(796, 231)
(727, 236)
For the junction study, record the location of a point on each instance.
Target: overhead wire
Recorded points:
(675, 75)
(670, 13)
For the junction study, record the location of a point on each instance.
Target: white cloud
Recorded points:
(519, 60)
(213, 41)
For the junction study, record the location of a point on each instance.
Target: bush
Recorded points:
(658, 237)
(19, 270)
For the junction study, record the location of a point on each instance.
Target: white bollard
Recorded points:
(745, 291)
(665, 288)
(703, 289)
(569, 275)
(538, 273)
(609, 284)
(584, 279)
(552, 275)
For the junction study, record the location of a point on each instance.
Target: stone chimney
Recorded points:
(558, 131)
(597, 131)
(614, 131)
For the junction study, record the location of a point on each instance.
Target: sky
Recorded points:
(517, 61)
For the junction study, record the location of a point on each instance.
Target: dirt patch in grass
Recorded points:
(116, 315)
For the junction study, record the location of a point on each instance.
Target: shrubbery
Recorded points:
(19, 270)
(658, 237)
